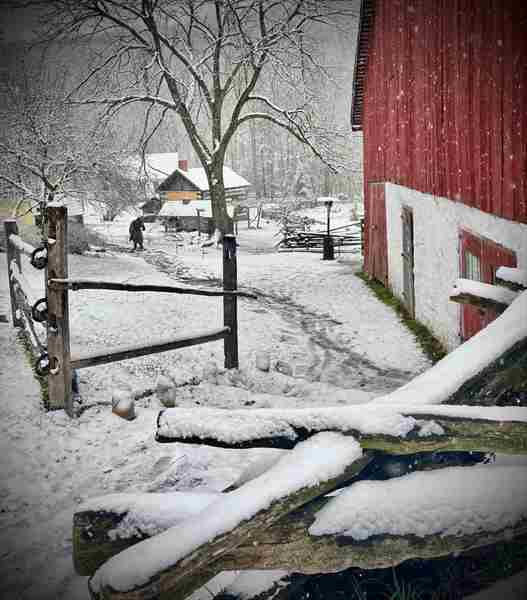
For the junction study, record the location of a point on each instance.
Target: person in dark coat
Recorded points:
(136, 229)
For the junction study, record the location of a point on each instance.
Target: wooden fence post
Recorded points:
(59, 378)
(13, 253)
(230, 303)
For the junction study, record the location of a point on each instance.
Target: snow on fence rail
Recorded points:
(55, 359)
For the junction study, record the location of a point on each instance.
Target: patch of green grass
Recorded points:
(430, 345)
(41, 379)
(404, 590)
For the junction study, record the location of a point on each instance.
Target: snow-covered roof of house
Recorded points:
(180, 209)
(198, 177)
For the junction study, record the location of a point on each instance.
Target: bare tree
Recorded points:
(50, 148)
(205, 60)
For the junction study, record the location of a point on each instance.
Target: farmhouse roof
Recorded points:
(198, 178)
(366, 23)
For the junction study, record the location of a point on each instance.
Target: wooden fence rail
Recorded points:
(296, 238)
(93, 284)
(54, 358)
(18, 243)
(163, 345)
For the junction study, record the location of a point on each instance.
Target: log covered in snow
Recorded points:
(482, 295)
(512, 277)
(104, 526)
(414, 516)
(184, 557)
(395, 429)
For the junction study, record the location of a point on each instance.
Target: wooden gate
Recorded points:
(408, 259)
(376, 260)
(479, 260)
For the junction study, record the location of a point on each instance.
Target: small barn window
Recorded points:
(472, 266)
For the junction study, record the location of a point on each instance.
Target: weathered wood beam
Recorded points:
(292, 548)
(102, 532)
(479, 302)
(58, 330)
(19, 279)
(108, 355)
(19, 244)
(453, 433)
(31, 333)
(288, 545)
(13, 261)
(513, 278)
(93, 284)
(482, 295)
(187, 574)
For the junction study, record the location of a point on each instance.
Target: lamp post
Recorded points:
(328, 249)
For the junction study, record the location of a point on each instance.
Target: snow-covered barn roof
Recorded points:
(197, 177)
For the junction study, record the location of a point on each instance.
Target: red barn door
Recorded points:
(377, 253)
(480, 258)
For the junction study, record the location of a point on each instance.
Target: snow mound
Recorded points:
(452, 501)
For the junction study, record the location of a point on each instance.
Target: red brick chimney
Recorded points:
(183, 165)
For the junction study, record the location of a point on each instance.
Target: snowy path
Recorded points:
(324, 308)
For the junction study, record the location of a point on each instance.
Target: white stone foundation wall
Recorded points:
(437, 223)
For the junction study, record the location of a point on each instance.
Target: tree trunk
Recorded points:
(222, 222)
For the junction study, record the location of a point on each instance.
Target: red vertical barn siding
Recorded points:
(377, 256)
(445, 101)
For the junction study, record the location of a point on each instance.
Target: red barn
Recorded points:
(440, 93)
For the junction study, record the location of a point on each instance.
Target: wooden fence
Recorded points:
(54, 359)
(295, 239)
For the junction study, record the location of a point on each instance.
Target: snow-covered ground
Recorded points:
(327, 339)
